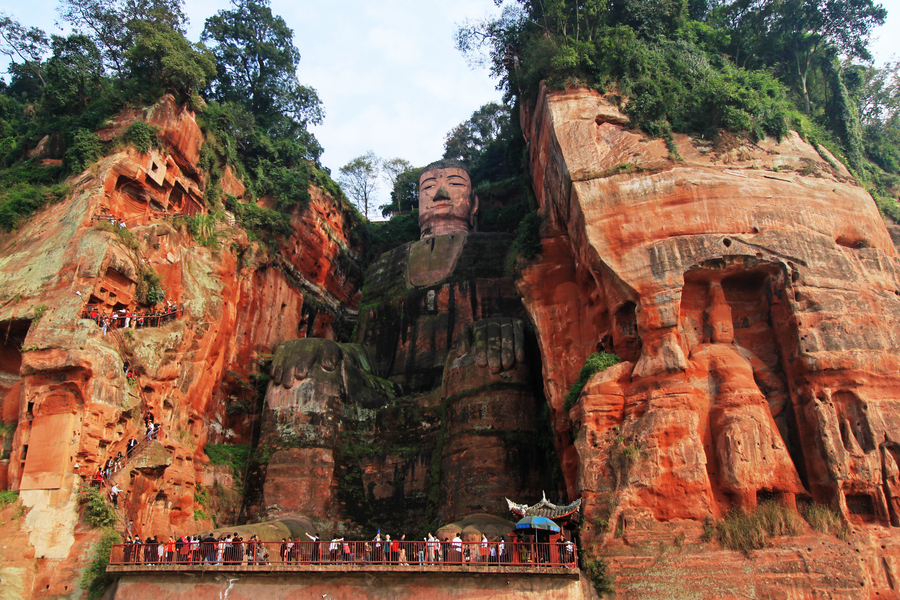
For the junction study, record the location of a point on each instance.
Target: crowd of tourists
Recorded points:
(123, 223)
(231, 549)
(191, 549)
(130, 319)
(114, 463)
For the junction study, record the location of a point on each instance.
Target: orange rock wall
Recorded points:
(752, 293)
(63, 380)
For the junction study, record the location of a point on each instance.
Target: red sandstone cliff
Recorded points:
(752, 293)
(62, 382)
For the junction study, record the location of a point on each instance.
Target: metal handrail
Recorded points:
(421, 554)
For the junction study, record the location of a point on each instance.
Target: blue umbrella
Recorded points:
(537, 523)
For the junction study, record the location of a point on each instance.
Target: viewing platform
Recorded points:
(301, 557)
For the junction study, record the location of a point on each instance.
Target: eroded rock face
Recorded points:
(753, 295)
(62, 381)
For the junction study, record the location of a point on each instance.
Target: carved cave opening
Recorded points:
(625, 339)
(861, 505)
(750, 290)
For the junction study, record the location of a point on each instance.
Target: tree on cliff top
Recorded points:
(111, 24)
(360, 178)
(257, 64)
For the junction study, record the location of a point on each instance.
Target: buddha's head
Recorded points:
(447, 202)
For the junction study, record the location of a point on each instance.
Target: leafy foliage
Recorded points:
(256, 65)
(680, 66)
(264, 221)
(235, 455)
(150, 290)
(481, 143)
(84, 149)
(8, 497)
(163, 60)
(20, 200)
(204, 229)
(527, 243)
(360, 178)
(399, 230)
(600, 578)
(596, 362)
(96, 510)
(404, 192)
(95, 579)
(142, 135)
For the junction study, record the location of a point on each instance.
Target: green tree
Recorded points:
(359, 178)
(25, 44)
(392, 169)
(794, 36)
(878, 102)
(257, 64)
(404, 193)
(162, 59)
(113, 25)
(75, 75)
(481, 142)
(810, 26)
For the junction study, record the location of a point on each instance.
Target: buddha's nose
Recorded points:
(442, 194)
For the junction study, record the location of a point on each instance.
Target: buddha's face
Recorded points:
(446, 202)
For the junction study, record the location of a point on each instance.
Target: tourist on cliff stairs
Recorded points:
(114, 495)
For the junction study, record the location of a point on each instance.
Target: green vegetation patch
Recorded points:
(95, 580)
(143, 136)
(21, 199)
(235, 455)
(596, 362)
(8, 497)
(602, 581)
(95, 508)
(526, 245)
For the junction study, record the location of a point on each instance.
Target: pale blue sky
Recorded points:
(387, 72)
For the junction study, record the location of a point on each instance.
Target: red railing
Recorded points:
(345, 553)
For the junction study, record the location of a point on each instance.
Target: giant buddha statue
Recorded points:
(440, 334)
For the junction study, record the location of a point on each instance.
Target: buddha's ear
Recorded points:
(474, 211)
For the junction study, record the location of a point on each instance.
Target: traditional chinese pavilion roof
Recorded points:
(544, 508)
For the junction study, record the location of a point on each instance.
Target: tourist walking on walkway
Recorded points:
(314, 554)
